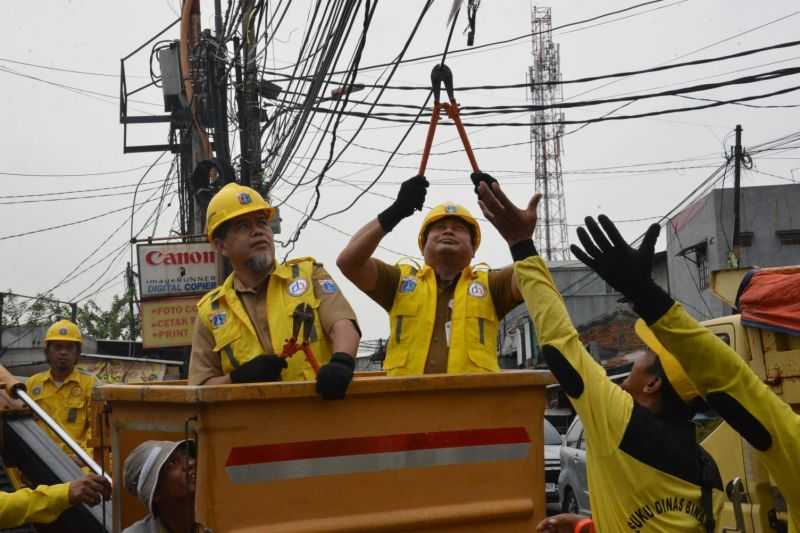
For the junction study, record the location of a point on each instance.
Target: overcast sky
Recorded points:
(52, 130)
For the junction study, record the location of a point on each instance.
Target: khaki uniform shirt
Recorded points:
(206, 364)
(436, 363)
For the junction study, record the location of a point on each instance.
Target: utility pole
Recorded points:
(131, 295)
(197, 137)
(241, 116)
(737, 173)
(218, 88)
(2, 301)
(251, 141)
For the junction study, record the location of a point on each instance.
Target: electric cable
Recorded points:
(103, 97)
(368, 13)
(63, 199)
(390, 117)
(712, 179)
(481, 110)
(510, 40)
(68, 224)
(75, 174)
(587, 79)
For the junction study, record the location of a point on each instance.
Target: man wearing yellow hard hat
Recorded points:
(646, 471)
(443, 316)
(64, 391)
(243, 324)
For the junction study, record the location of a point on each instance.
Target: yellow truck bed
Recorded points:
(445, 453)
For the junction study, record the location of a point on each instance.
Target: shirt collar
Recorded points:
(73, 376)
(239, 286)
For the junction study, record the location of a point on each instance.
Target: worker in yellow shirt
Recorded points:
(64, 391)
(45, 503)
(728, 384)
(242, 326)
(646, 471)
(443, 316)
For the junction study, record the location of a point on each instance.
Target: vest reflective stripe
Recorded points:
(236, 340)
(474, 324)
(229, 354)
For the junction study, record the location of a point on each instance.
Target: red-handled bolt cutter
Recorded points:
(302, 319)
(441, 74)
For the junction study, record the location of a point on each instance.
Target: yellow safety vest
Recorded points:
(235, 338)
(474, 323)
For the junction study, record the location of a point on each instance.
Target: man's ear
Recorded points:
(219, 246)
(653, 385)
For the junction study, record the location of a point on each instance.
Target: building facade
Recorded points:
(603, 320)
(700, 241)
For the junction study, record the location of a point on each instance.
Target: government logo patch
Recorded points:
(408, 285)
(477, 290)
(298, 287)
(328, 286)
(218, 319)
(451, 209)
(244, 198)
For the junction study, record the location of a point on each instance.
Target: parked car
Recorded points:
(573, 487)
(552, 461)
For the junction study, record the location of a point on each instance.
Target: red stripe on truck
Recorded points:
(291, 451)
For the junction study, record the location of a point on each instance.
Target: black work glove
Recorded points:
(334, 377)
(623, 267)
(410, 198)
(259, 369)
(478, 177)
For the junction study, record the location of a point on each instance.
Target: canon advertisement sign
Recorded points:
(177, 269)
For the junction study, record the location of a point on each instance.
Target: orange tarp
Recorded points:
(770, 299)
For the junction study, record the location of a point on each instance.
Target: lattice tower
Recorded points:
(544, 76)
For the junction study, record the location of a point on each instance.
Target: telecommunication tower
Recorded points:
(545, 87)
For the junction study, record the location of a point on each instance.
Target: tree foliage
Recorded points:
(112, 323)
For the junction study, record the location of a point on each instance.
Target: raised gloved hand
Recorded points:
(627, 269)
(410, 198)
(259, 369)
(335, 376)
(481, 177)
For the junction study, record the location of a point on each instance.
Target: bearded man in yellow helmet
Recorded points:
(444, 316)
(63, 391)
(242, 325)
(646, 471)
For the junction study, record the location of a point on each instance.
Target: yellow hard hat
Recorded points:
(449, 209)
(231, 201)
(672, 368)
(63, 330)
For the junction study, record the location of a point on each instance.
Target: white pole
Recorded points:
(20, 393)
